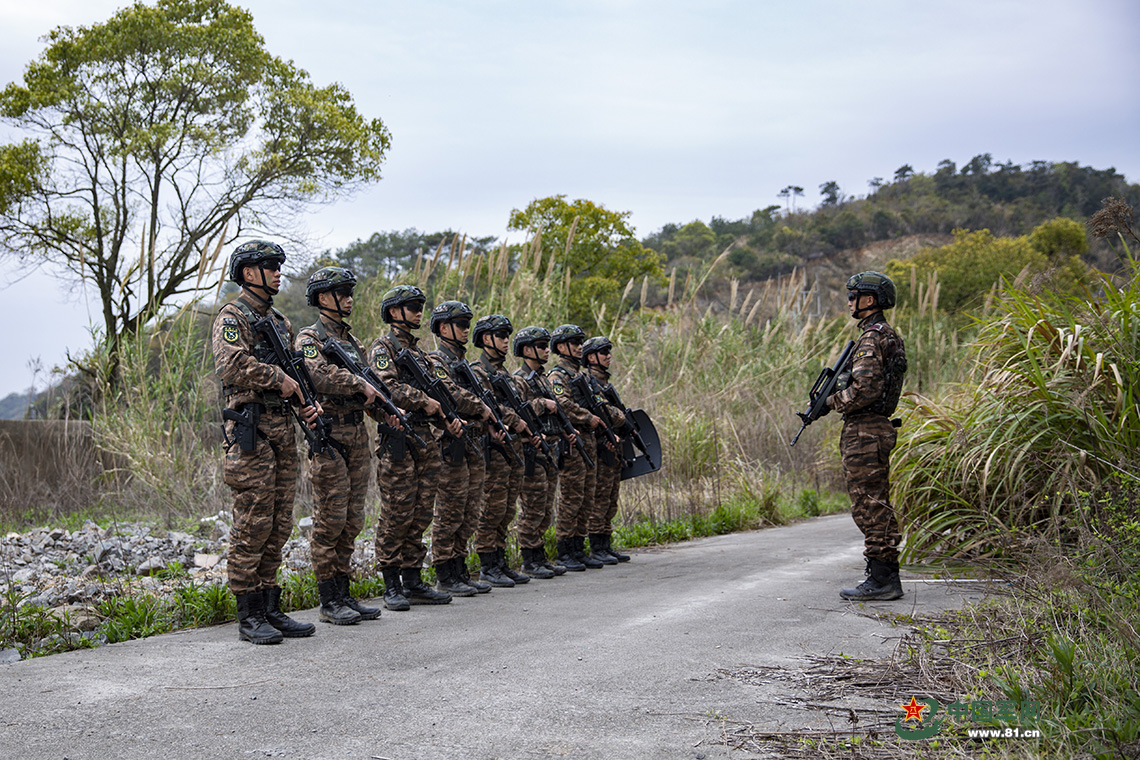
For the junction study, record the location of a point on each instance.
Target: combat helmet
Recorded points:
(595, 345)
(327, 278)
(565, 334)
(877, 284)
(491, 323)
(399, 296)
(254, 253)
(447, 312)
(527, 336)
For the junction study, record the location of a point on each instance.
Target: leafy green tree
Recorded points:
(596, 246)
(387, 254)
(158, 132)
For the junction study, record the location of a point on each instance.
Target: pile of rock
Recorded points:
(71, 571)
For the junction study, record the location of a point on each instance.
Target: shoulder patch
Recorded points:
(382, 361)
(861, 354)
(229, 321)
(877, 327)
(309, 350)
(230, 333)
(440, 373)
(559, 389)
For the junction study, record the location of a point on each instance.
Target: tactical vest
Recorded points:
(262, 351)
(565, 382)
(350, 347)
(550, 426)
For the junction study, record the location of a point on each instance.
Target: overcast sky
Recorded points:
(673, 111)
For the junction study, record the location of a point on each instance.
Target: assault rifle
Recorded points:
(505, 387)
(588, 390)
(320, 436)
(563, 421)
(466, 378)
(612, 396)
(336, 353)
(824, 387)
(429, 384)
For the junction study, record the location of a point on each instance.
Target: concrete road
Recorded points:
(612, 663)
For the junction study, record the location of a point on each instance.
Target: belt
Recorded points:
(348, 418)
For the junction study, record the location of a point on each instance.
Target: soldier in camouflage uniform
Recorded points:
(406, 475)
(868, 394)
(340, 483)
(578, 478)
(262, 475)
(504, 473)
(597, 353)
(540, 475)
(459, 493)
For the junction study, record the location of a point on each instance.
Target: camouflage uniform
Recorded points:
(869, 398)
(540, 477)
(406, 474)
(264, 480)
(340, 484)
(503, 476)
(599, 519)
(577, 479)
(459, 493)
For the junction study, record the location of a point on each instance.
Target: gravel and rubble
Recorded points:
(72, 571)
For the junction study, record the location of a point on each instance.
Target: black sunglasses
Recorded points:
(501, 334)
(575, 341)
(462, 324)
(416, 307)
(604, 352)
(543, 345)
(272, 265)
(344, 291)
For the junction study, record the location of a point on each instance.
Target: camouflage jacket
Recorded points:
(382, 356)
(601, 377)
(875, 372)
(341, 391)
(469, 407)
(242, 359)
(486, 368)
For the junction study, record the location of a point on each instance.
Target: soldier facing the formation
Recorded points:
(868, 394)
(261, 449)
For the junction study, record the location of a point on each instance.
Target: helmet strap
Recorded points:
(337, 313)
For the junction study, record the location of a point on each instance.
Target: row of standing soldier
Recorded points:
(461, 443)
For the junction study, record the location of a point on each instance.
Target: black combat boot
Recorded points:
(505, 569)
(290, 628)
(418, 592)
(252, 625)
(394, 598)
(566, 556)
(333, 609)
(533, 565)
(882, 584)
(580, 553)
(598, 551)
(540, 553)
(491, 572)
(610, 550)
(461, 570)
(449, 581)
(366, 613)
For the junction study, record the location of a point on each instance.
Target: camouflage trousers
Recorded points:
(576, 491)
(264, 483)
(340, 486)
(605, 503)
(500, 491)
(458, 503)
(406, 477)
(865, 445)
(536, 503)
